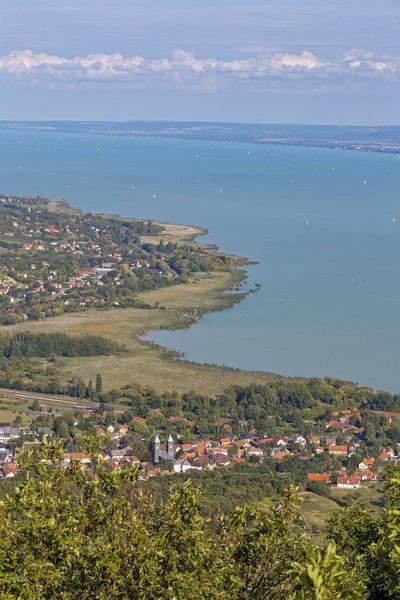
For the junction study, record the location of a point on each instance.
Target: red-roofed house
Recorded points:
(319, 477)
(365, 475)
(9, 470)
(366, 463)
(225, 442)
(348, 482)
(337, 449)
(280, 440)
(313, 439)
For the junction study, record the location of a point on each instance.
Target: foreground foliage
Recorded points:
(65, 533)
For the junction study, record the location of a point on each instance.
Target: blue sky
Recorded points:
(290, 61)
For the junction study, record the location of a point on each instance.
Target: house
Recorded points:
(366, 475)
(225, 442)
(344, 426)
(244, 444)
(5, 456)
(119, 453)
(153, 472)
(254, 451)
(319, 477)
(348, 482)
(47, 431)
(280, 440)
(333, 449)
(330, 440)
(366, 463)
(130, 459)
(201, 462)
(9, 470)
(299, 439)
(181, 465)
(78, 456)
(387, 454)
(313, 439)
(220, 460)
(8, 432)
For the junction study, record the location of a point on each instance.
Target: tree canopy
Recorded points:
(69, 533)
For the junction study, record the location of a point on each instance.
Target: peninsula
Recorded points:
(114, 278)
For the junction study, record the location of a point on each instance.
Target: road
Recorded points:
(46, 397)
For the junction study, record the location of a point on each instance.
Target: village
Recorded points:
(342, 447)
(52, 262)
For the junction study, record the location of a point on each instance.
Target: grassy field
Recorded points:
(370, 495)
(145, 363)
(8, 415)
(315, 509)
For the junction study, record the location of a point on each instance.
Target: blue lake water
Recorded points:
(328, 243)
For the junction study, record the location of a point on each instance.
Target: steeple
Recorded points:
(170, 446)
(156, 450)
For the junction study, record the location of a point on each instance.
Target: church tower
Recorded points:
(156, 450)
(170, 446)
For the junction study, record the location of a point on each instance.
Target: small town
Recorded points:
(341, 455)
(54, 260)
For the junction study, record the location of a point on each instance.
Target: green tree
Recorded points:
(81, 388)
(18, 420)
(99, 384)
(35, 405)
(89, 391)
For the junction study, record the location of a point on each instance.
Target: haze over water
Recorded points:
(328, 243)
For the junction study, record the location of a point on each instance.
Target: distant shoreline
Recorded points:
(381, 139)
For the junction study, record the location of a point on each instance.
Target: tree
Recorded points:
(68, 533)
(35, 405)
(81, 388)
(99, 384)
(89, 391)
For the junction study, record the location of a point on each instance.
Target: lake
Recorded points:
(323, 224)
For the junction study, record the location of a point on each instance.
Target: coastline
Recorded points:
(173, 307)
(331, 137)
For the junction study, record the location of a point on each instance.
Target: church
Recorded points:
(158, 454)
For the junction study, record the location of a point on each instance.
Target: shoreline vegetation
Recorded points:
(166, 307)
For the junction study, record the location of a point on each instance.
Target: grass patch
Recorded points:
(370, 495)
(315, 509)
(146, 363)
(7, 415)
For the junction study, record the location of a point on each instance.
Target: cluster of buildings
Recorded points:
(49, 261)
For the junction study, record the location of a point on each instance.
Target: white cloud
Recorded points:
(183, 68)
(371, 61)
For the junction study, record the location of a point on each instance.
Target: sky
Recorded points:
(270, 61)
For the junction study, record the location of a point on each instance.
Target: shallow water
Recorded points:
(328, 243)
